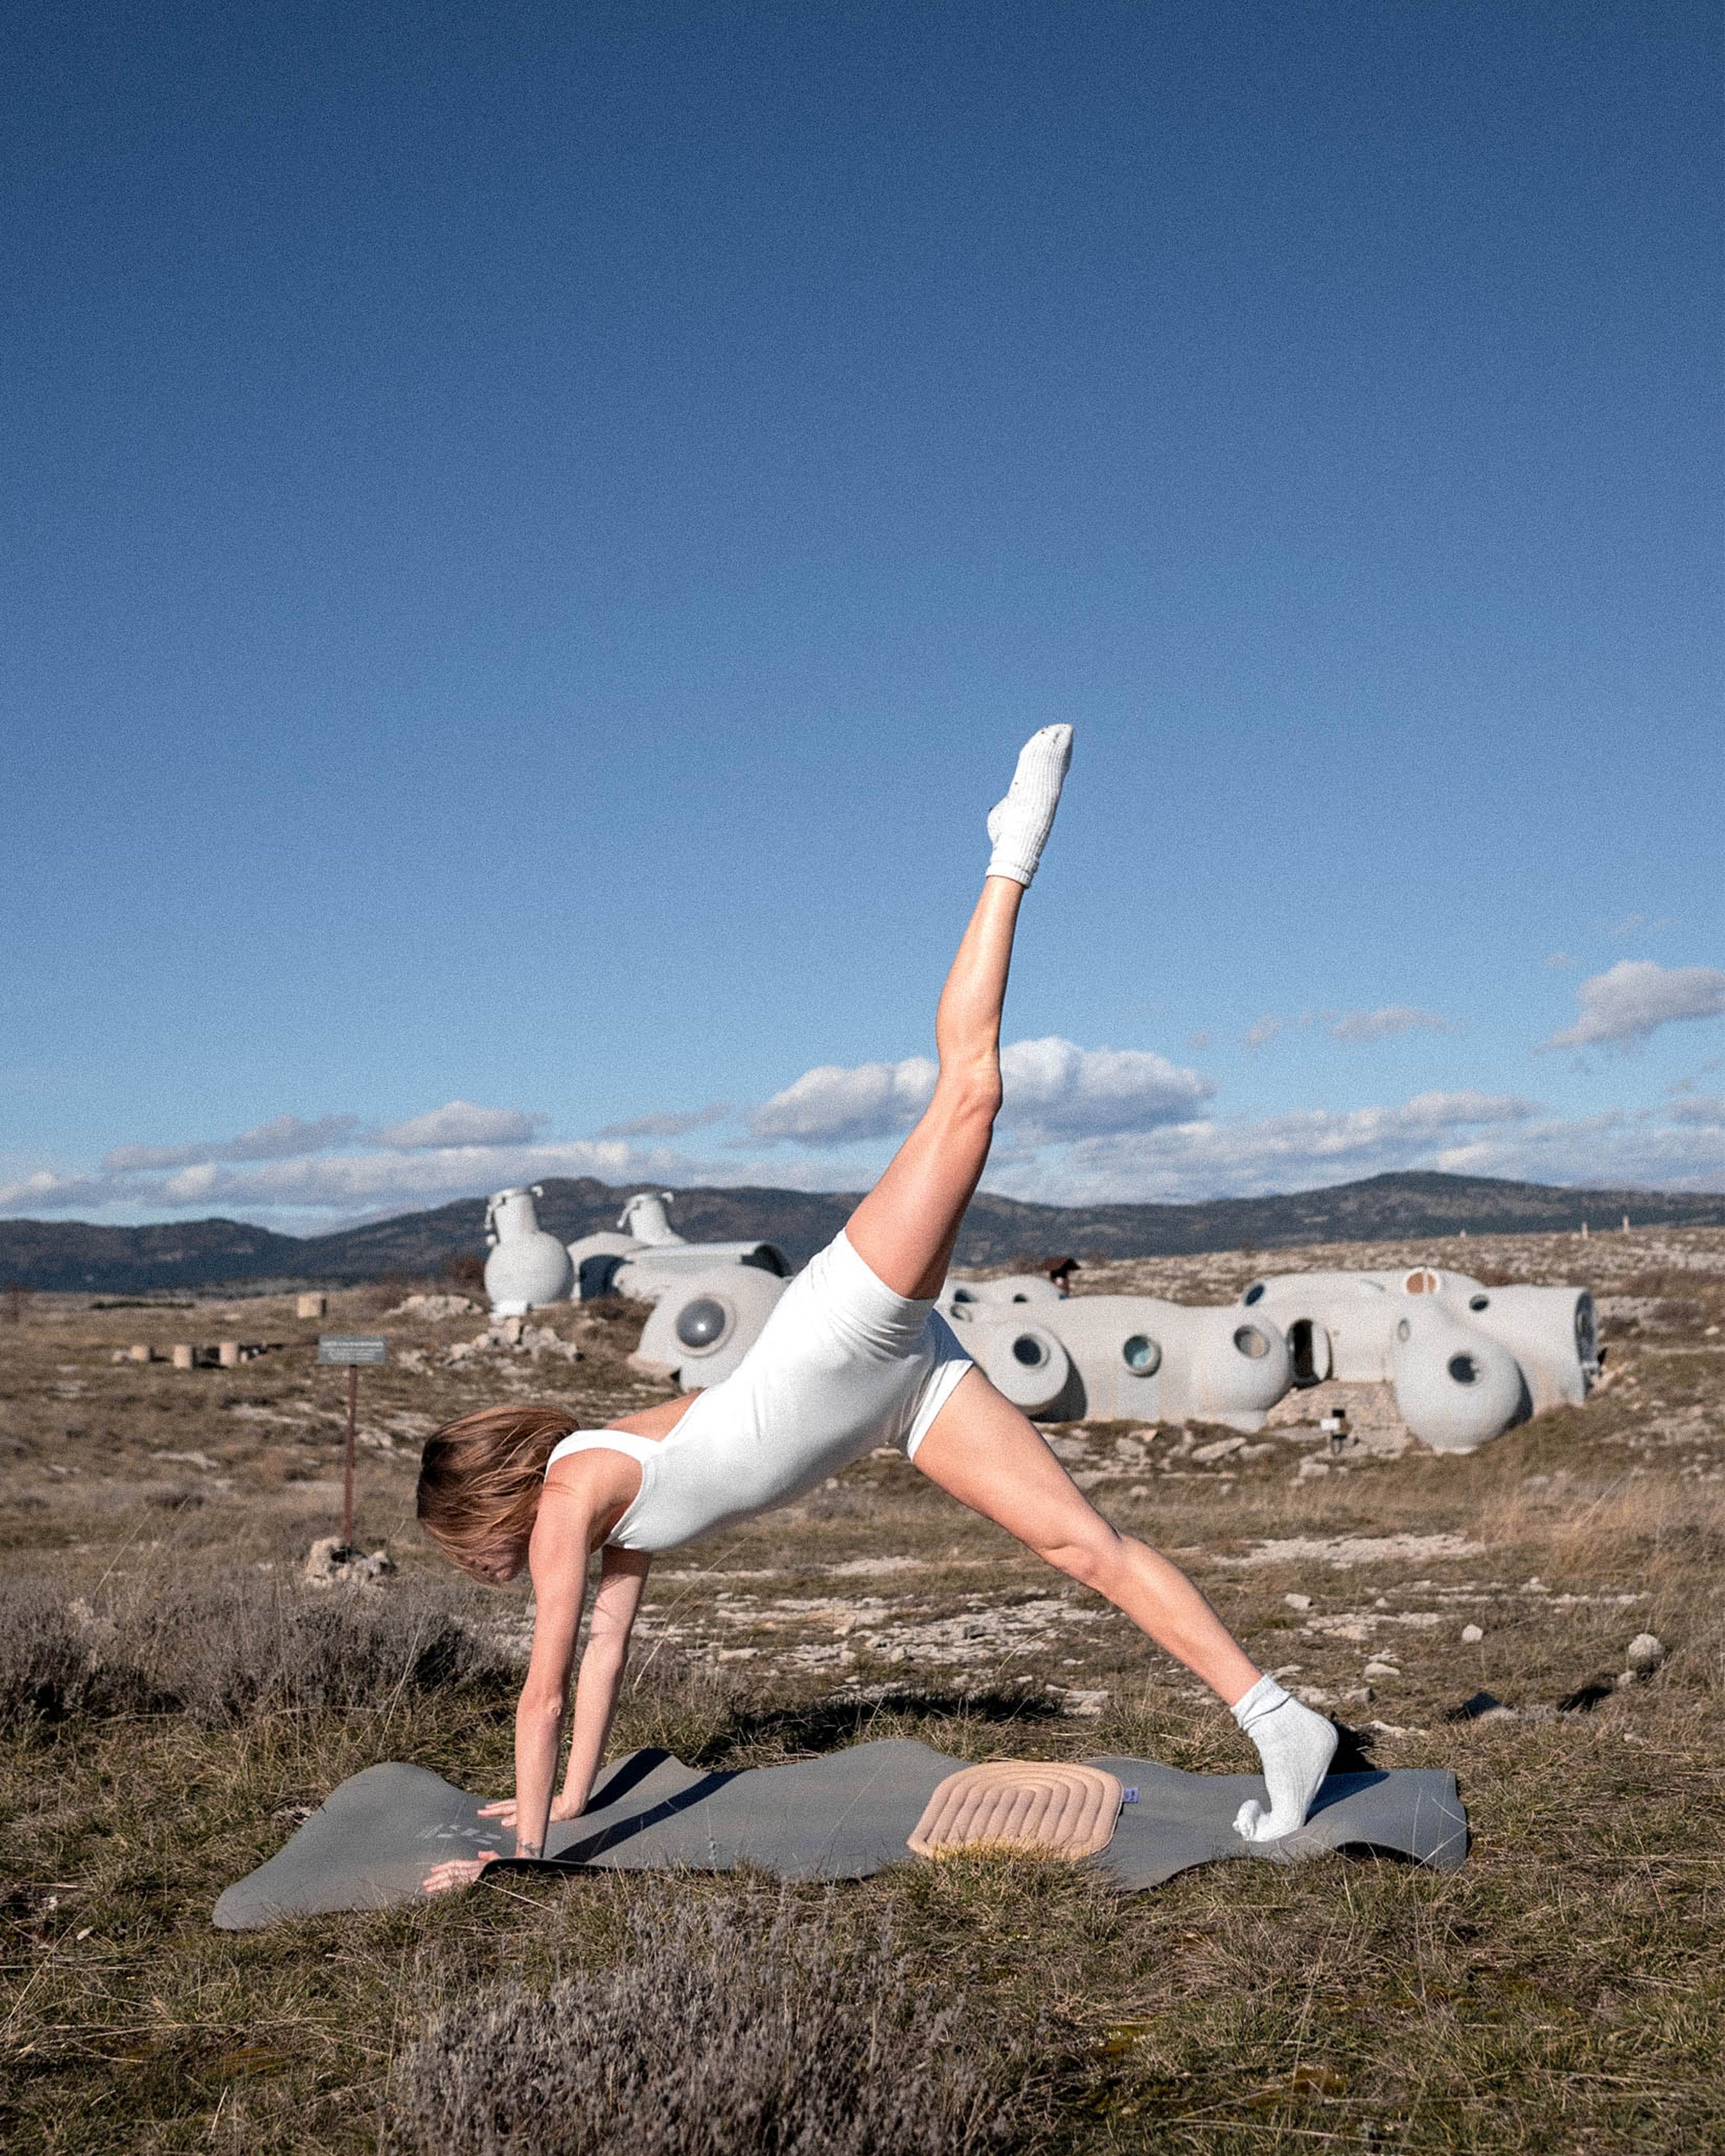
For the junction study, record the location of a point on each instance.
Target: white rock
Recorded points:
(1472, 1635)
(1297, 1601)
(1646, 1652)
(330, 1564)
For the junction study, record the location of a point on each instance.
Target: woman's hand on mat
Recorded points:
(458, 1872)
(503, 1810)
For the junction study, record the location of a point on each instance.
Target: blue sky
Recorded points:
(531, 537)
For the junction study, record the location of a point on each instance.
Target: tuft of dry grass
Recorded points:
(724, 2029)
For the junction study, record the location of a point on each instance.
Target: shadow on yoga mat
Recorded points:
(838, 1817)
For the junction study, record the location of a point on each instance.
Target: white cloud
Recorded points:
(397, 1181)
(283, 1137)
(42, 1191)
(1559, 959)
(1385, 1024)
(1210, 1156)
(1636, 998)
(669, 1126)
(832, 1105)
(1261, 1032)
(1198, 1041)
(1053, 1090)
(460, 1123)
(1632, 923)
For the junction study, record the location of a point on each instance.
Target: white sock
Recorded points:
(1018, 826)
(1296, 1746)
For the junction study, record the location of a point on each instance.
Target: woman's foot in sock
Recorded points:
(1018, 826)
(1296, 1747)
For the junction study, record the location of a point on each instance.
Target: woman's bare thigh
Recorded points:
(981, 1450)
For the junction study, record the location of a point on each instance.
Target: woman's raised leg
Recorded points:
(904, 1230)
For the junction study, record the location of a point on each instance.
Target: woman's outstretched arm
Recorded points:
(558, 1559)
(622, 1577)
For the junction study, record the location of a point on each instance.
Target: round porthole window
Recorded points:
(1479, 1302)
(1404, 1331)
(1255, 1293)
(1142, 1355)
(1251, 1343)
(702, 1323)
(962, 1294)
(1021, 1298)
(1420, 1281)
(1464, 1369)
(1030, 1351)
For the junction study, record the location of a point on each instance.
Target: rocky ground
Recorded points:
(1489, 1613)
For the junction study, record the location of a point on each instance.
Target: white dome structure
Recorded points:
(527, 1266)
(1128, 1357)
(1455, 1387)
(702, 1327)
(645, 1257)
(962, 1298)
(1363, 1328)
(1025, 1360)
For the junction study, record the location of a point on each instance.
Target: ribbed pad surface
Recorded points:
(1021, 1804)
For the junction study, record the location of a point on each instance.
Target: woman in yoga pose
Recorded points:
(854, 1356)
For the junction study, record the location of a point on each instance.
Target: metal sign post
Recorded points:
(353, 1351)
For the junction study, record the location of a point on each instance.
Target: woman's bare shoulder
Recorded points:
(656, 1422)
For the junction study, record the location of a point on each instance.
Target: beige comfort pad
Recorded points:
(1021, 1804)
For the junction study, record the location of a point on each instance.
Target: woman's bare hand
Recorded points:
(503, 1810)
(458, 1872)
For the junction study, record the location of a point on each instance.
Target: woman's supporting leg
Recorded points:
(981, 1449)
(984, 1452)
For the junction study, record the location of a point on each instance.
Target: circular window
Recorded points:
(1479, 1302)
(1030, 1351)
(1021, 1296)
(1419, 1281)
(1143, 1355)
(1251, 1342)
(1404, 1331)
(702, 1324)
(1464, 1369)
(962, 1294)
(1255, 1293)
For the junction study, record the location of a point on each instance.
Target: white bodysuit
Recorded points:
(842, 1365)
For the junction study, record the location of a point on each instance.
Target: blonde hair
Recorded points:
(481, 1478)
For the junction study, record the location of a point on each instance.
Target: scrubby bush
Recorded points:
(729, 2028)
(224, 1651)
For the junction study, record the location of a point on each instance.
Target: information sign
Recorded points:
(361, 1348)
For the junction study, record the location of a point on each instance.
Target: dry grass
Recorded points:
(1562, 1992)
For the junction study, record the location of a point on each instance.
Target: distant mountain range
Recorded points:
(74, 1255)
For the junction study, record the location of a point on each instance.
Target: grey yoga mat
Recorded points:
(840, 1817)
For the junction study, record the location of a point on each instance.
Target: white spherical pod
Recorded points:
(1239, 1366)
(1022, 1360)
(1552, 1333)
(702, 1328)
(527, 1266)
(959, 1299)
(1455, 1386)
